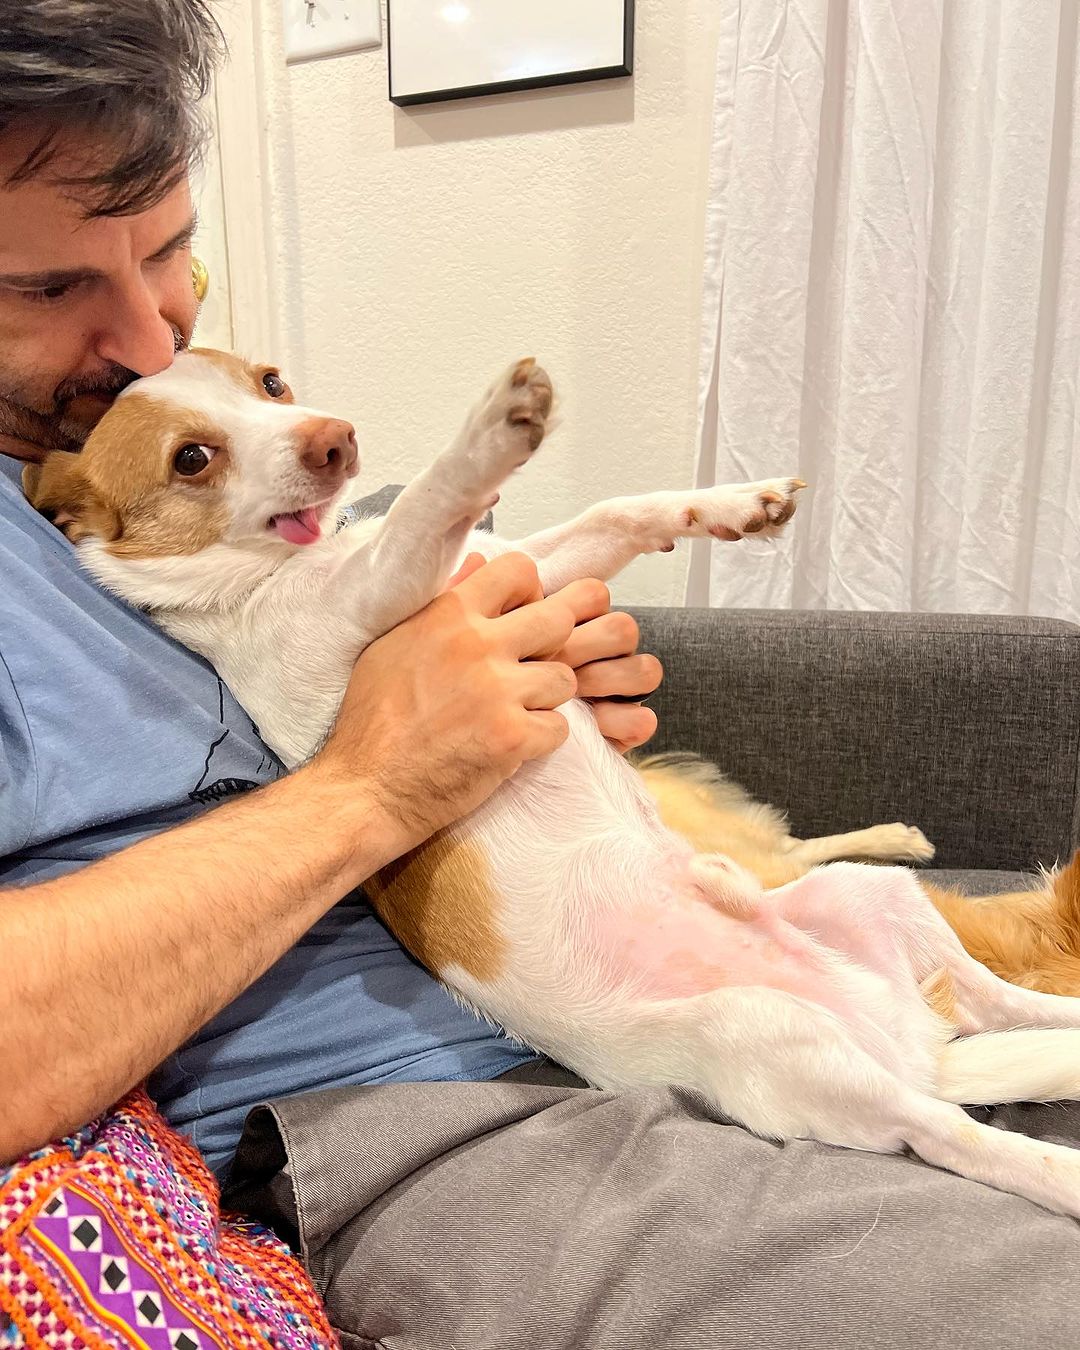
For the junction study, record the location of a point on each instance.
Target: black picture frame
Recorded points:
(626, 67)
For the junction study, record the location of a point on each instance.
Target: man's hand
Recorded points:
(602, 650)
(603, 653)
(448, 705)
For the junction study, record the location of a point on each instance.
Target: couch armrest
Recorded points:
(967, 726)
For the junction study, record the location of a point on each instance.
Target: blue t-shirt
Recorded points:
(109, 732)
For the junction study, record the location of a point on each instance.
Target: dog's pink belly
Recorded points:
(857, 910)
(830, 939)
(685, 948)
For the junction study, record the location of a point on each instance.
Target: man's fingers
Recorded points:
(544, 684)
(545, 732)
(501, 585)
(621, 677)
(588, 598)
(536, 631)
(472, 563)
(625, 725)
(598, 639)
(543, 629)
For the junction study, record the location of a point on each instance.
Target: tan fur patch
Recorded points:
(522, 371)
(940, 995)
(58, 488)
(734, 826)
(1031, 938)
(246, 376)
(122, 487)
(1065, 885)
(439, 901)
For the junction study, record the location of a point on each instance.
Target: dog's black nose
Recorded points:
(329, 447)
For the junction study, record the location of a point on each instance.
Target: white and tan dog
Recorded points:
(839, 1007)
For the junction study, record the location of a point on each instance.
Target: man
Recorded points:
(143, 932)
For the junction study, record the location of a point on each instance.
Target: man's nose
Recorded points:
(136, 334)
(327, 446)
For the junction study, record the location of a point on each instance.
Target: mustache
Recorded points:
(103, 382)
(109, 381)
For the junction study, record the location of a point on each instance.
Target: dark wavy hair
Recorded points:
(130, 74)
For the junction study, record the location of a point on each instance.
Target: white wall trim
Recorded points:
(242, 109)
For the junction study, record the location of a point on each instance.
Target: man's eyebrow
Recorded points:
(179, 239)
(42, 281)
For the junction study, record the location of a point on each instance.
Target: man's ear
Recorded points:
(60, 489)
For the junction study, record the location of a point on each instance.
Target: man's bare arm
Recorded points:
(111, 968)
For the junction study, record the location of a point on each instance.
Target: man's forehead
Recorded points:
(43, 225)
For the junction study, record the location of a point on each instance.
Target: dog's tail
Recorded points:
(1011, 1066)
(1065, 888)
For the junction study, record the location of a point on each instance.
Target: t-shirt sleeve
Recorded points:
(18, 775)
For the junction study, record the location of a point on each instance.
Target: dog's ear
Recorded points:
(60, 488)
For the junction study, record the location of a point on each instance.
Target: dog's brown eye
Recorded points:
(273, 384)
(192, 459)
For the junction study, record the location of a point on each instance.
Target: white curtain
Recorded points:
(892, 302)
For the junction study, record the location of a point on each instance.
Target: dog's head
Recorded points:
(211, 451)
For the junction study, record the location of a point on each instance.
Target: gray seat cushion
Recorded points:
(506, 1216)
(979, 882)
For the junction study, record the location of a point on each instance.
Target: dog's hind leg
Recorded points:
(887, 843)
(982, 1000)
(1048, 1174)
(1031, 938)
(785, 1068)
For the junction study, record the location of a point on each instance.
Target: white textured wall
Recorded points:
(427, 247)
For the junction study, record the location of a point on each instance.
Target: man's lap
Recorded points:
(511, 1215)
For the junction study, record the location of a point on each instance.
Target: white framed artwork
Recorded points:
(442, 49)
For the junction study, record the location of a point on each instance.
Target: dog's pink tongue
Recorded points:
(302, 527)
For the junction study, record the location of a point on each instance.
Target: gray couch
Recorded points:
(966, 726)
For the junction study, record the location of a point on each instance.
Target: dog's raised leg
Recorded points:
(610, 535)
(412, 554)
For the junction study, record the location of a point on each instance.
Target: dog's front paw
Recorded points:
(513, 418)
(732, 512)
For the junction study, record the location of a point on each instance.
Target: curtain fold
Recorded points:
(892, 302)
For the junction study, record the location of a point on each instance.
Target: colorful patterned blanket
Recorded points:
(114, 1237)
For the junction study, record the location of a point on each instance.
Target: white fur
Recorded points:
(799, 1011)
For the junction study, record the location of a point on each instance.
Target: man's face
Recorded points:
(85, 304)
